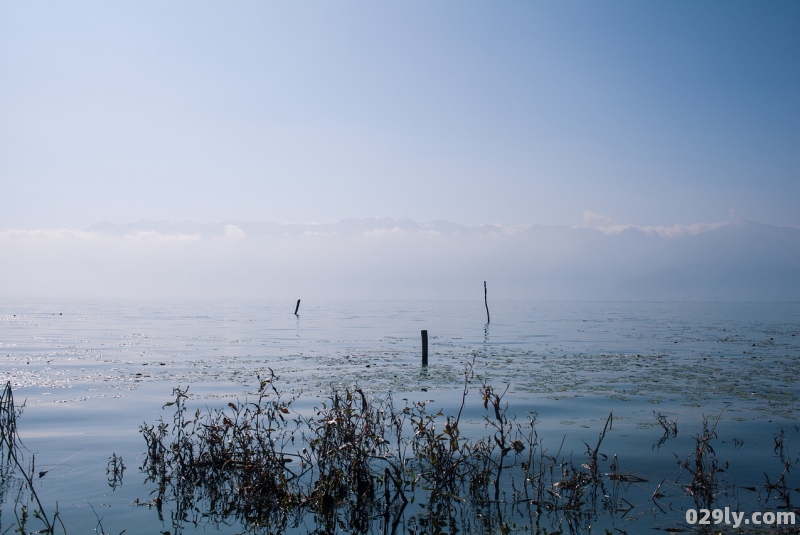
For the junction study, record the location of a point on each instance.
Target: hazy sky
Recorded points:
(649, 113)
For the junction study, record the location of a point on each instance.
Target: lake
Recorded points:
(91, 372)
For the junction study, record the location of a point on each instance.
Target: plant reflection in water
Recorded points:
(365, 465)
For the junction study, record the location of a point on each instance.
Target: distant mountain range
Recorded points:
(382, 257)
(345, 227)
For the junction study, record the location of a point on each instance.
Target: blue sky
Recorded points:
(649, 113)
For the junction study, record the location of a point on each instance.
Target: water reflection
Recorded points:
(364, 465)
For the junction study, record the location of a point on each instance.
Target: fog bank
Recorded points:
(399, 259)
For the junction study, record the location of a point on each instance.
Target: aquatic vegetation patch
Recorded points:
(365, 464)
(362, 463)
(358, 458)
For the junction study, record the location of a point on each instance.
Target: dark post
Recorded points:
(297, 307)
(485, 302)
(424, 347)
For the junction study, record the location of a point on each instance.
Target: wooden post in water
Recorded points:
(486, 302)
(424, 347)
(297, 307)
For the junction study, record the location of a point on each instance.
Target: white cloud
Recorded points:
(675, 231)
(379, 232)
(593, 219)
(606, 225)
(511, 230)
(47, 234)
(311, 233)
(153, 236)
(234, 233)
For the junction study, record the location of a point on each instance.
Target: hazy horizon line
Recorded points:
(591, 220)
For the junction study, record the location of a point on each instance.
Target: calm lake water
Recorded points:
(91, 372)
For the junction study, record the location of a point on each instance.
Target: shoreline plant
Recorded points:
(367, 464)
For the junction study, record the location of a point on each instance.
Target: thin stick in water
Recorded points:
(486, 302)
(297, 307)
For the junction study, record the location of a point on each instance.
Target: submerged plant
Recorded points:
(357, 463)
(226, 462)
(670, 428)
(358, 458)
(12, 463)
(114, 471)
(703, 465)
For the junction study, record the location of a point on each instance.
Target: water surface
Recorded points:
(91, 372)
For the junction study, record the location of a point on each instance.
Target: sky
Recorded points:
(518, 113)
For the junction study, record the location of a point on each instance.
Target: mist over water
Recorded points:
(400, 259)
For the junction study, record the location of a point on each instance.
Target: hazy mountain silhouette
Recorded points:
(399, 258)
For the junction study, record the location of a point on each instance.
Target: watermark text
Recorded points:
(736, 519)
